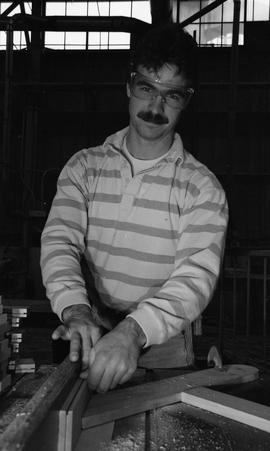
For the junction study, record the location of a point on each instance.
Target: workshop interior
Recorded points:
(63, 69)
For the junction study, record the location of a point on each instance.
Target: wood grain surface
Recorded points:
(228, 406)
(120, 403)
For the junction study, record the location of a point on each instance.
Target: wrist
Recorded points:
(135, 331)
(76, 311)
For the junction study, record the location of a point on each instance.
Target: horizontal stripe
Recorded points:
(190, 251)
(135, 228)
(128, 279)
(69, 203)
(65, 274)
(66, 223)
(171, 181)
(131, 253)
(163, 310)
(105, 198)
(156, 205)
(71, 252)
(210, 206)
(202, 170)
(104, 173)
(210, 228)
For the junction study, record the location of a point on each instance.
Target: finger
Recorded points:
(86, 348)
(116, 379)
(95, 373)
(126, 377)
(107, 379)
(61, 332)
(75, 346)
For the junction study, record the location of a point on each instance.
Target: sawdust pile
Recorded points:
(172, 430)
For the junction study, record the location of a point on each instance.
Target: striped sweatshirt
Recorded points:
(151, 244)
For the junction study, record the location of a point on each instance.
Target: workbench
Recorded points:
(176, 426)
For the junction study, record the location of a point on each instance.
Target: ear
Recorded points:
(128, 90)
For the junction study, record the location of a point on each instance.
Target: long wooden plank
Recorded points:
(120, 403)
(74, 415)
(228, 406)
(93, 438)
(22, 427)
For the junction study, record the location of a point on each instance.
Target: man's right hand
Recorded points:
(80, 328)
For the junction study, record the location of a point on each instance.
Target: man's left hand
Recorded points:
(114, 358)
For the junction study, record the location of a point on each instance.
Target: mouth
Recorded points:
(155, 119)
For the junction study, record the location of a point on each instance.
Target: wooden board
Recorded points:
(20, 430)
(91, 439)
(232, 407)
(74, 415)
(120, 403)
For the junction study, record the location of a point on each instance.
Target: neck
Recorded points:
(144, 149)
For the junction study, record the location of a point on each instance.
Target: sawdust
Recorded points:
(172, 430)
(14, 402)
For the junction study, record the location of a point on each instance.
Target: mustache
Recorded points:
(148, 116)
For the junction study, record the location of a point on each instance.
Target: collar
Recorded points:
(175, 154)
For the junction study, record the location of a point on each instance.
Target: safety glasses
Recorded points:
(145, 88)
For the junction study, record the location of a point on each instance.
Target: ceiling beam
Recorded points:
(75, 23)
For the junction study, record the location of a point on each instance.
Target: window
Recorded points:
(212, 29)
(215, 28)
(95, 40)
(19, 41)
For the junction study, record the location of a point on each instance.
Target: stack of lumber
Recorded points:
(5, 379)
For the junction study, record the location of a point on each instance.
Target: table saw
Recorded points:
(53, 410)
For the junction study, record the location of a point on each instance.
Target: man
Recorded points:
(139, 217)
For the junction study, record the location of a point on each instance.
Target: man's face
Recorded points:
(155, 101)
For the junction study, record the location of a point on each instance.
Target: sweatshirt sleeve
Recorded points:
(62, 240)
(190, 287)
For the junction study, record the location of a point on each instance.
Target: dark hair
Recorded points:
(168, 43)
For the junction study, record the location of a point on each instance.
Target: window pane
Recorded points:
(5, 6)
(187, 9)
(213, 16)
(211, 34)
(261, 10)
(121, 40)
(98, 8)
(54, 38)
(76, 9)
(75, 39)
(141, 10)
(227, 34)
(120, 9)
(55, 9)
(228, 11)
(3, 39)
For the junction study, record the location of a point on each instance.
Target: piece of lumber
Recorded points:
(228, 406)
(74, 415)
(120, 403)
(22, 427)
(93, 438)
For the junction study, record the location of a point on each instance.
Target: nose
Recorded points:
(157, 103)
